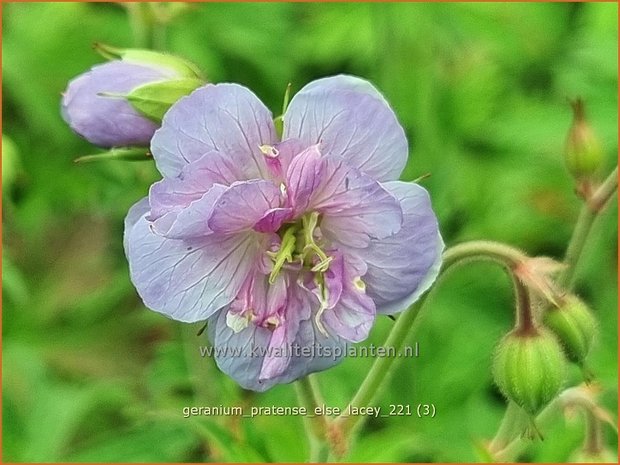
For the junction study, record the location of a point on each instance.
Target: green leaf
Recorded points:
(118, 153)
(153, 100)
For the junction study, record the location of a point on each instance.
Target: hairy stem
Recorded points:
(483, 250)
(589, 212)
(141, 20)
(316, 427)
(524, 318)
(507, 449)
(594, 435)
(513, 424)
(380, 372)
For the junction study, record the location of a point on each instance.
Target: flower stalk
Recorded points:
(381, 370)
(315, 426)
(589, 212)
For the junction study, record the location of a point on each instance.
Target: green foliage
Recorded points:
(481, 89)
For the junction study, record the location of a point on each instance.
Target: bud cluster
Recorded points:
(529, 367)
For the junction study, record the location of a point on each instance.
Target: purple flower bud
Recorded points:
(94, 106)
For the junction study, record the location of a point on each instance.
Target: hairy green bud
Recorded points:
(575, 327)
(180, 66)
(529, 368)
(583, 152)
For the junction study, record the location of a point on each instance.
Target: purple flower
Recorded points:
(109, 121)
(288, 248)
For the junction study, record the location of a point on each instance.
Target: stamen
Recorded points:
(319, 323)
(285, 254)
(323, 265)
(272, 323)
(269, 151)
(238, 322)
(323, 297)
(359, 284)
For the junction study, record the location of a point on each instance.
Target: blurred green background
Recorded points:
(90, 375)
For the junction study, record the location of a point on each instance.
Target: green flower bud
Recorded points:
(181, 67)
(575, 327)
(529, 368)
(583, 152)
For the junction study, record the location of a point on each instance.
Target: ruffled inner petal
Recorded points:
(355, 208)
(248, 204)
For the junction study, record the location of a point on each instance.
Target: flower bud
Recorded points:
(121, 102)
(181, 67)
(529, 368)
(583, 152)
(574, 325)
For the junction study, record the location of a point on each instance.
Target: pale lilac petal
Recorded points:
(354, 314)
(227, 118)
(355, 207)
(238, 353)
(311, 351)
(275, 362)
(269, 329)
(263, 304)
(325, 351)
(344, 82)
(188, 280)
(244, 205)
(403, 267)
(135, 213)
(304, 176)
(349, 122)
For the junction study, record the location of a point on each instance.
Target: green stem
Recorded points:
(381, 370)
(589, 212)
(483, 250)
(508, 257)
(594, 436)
(507, 449)
(514, 423)
(380, 373)
(316, 426)
(524, 323)
(149, 31)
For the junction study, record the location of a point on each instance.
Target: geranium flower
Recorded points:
(288, 248)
